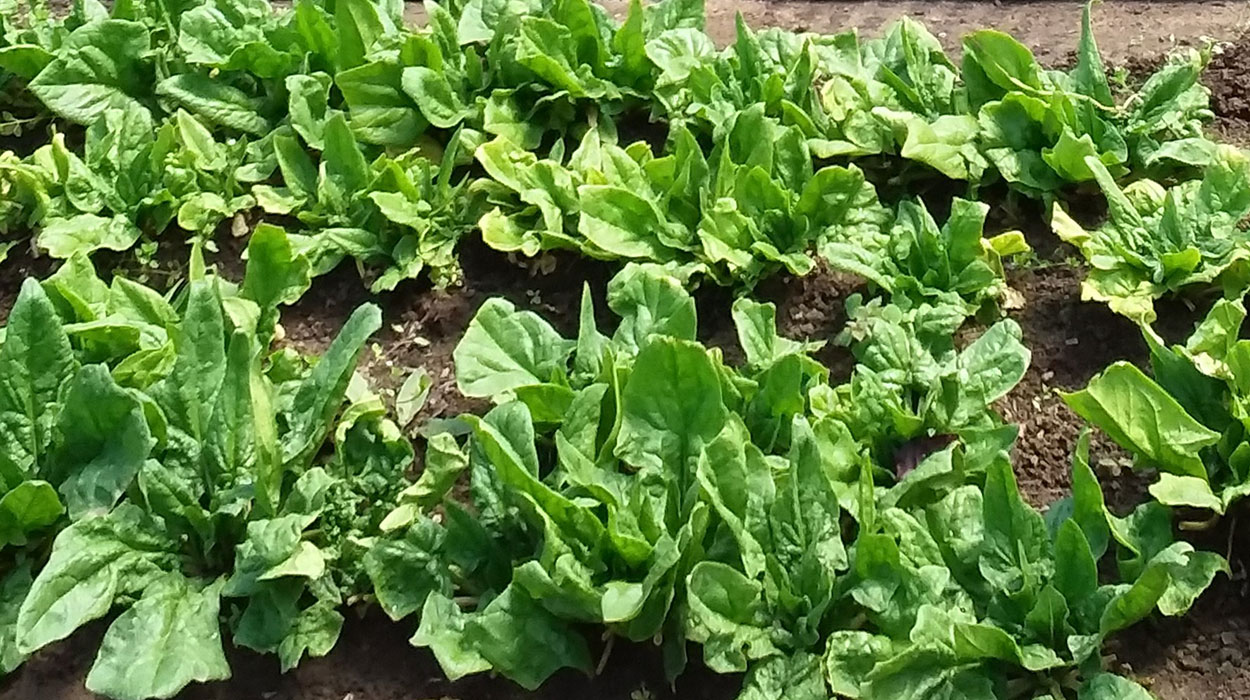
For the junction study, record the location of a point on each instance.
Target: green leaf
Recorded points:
(412, 395)
(216, 102)
(438, 102)
(360, 26)
(35, 360)
(1136, 601)
(504, 349)
(93, 561)
(13, 590)
(992, 365)
(103, 440)
(727, 617)
(649, 302)
(671, 407)
(1016, 543)
(1089, 77)
(170, 638)
(850, 656)
(381, 112)
(308, 105)
(1108, 686)
(345, 170)
(315, 632)
(442, 631)
(189, 394)
(29, 507)
(101, 66)
(796, 677)
(1142, 417)
(756, 324)
(1189, 491)
(275, 275)
(1076, 569)
(524, 642)
(622, 223)
(407, 571)
(1192, 572)
(87, 233)
(320, 395)
(444, 463)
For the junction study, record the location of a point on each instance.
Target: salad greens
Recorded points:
(866, 540)
(547, 124)
(1195, 433)
(178, 470)
(1161, 240)
(168, 463)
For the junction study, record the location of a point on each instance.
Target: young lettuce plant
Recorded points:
(402, 212)
(754, 206)
(1161, 241)
(1040, 129)
(132, 176)
(915, 263)
(584, 479)
(912, 391)
(199, 487)
(1193, 428)
(967, 591)
(950, 585)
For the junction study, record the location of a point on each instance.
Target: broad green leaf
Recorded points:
(438, 101)
(756, 324)
(381, 112)
(405, 572)
(1089, 76)
(850, 656)
(727, 617)
(1016, 543)
(671, 406)
(649, 302)
(315, 632)
(442, 631)
(504, 349)
(1076, 569)
(87, 233)
(524, 642)
(29, 507)
(1141, 417)
(623, 223)
(103, 440)
(101, 66)
(275, 275)
(93, 561)
(168, 639)
(308, 105)
(1189, 491)
(35, 360)
(797, 677)
(216, 102)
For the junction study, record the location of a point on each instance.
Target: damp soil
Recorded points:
(1202, 655)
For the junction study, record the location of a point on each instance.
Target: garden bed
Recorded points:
(1200, 655)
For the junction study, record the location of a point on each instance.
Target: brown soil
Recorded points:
(1230, 91)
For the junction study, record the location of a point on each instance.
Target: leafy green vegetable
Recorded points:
(187, 476)
(1162, 241)
(1192, 432)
